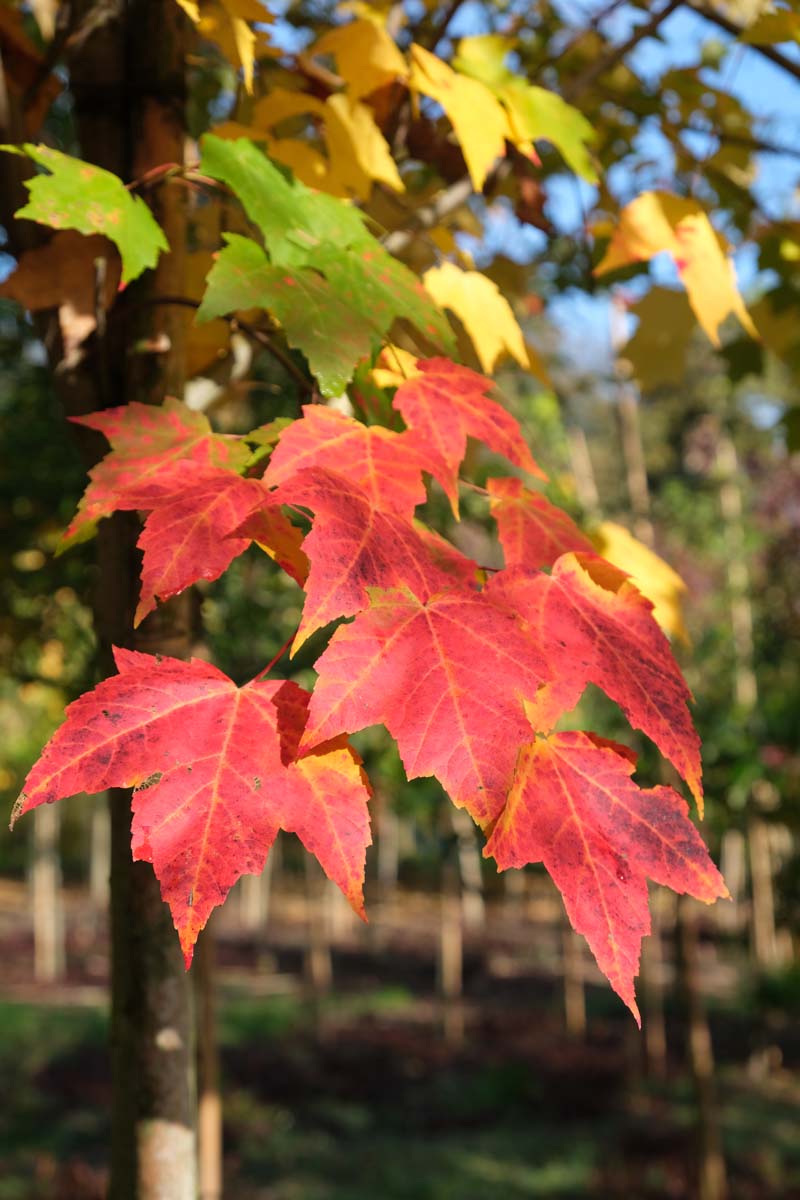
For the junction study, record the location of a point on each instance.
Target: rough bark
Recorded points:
(127, 78)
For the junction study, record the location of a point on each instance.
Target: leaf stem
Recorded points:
(278, 656)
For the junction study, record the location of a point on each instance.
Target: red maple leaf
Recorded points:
(218, 774)
(594, 626)
(574, 807)
(387, 465)
(156, 452)
(463, 676)
(447, 403)
(447, 678)
(191, 536)
(354, 546)
(533, 532)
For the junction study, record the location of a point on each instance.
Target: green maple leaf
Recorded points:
(314, 318)
(78, 195)
(329, 282)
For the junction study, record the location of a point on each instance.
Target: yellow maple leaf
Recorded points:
(484, 312)
(479, 120)
(228, 24)
(654, 578)
(357, 150)
(394, 366)
(366, 56)
(658, 221)
(534, 113)
(353, 135)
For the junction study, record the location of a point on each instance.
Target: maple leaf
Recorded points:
(315, 318)
(533, 532)
(352, 305)
(303, 228)
(657, 351)
(156, 452)
(479, 122)
(354, 546)
(481, 308)
(534, 113)
(218, 775)
(358, 152)
(574, 807)
(654, 578)
(279, 538)
(658, 221)
(63, 274)
(387, 465)
(596, 627)
(445, 404)
(446, 676)
(189, 537)
(226, 24)
(366, 56)
(78, 195)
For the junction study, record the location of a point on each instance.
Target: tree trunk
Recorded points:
(469, 869)
(762, 922)
(48, 915)
(127, 77)
(711, 1178)
(100, 853)
(319, 961)
(574, 988)
(209, 1098)
(450, 965)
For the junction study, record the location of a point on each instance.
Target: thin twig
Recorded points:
(439, 29)
(258, 335)
(769, 52)
(574, 42)
(447, 201)
(584, 81)
(278, 353)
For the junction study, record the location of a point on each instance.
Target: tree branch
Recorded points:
(723, 22)
(258, 335)
(446, 202)
(584, 81)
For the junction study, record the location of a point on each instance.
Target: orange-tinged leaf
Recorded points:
(156, 452)
(355, 546)
(533, 532)
(331, 818)
(279, 538)
(598, 628)
(218, 774)
(478, 119)
(481, 308)
(445, 404)
(394, 366)
(446, 677)
(387, 465)
(659, 221)
(190, 536)
(574, 807)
